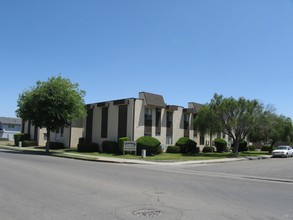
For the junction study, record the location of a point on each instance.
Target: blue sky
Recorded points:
(185, 50)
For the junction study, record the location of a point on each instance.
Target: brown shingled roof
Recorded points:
(152, 99)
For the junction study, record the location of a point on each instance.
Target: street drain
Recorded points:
(149, 213)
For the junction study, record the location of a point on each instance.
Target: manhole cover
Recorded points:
(150, 213)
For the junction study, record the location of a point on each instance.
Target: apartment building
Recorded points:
(147, 115)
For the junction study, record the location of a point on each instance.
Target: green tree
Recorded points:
(272, 128)
(235, 118)
(206, 122)
(51, 104)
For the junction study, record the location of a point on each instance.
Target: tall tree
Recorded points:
(273, 128)
(206, 122)
(51, 104)
(235, 118)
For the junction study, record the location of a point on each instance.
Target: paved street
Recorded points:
(36, 186)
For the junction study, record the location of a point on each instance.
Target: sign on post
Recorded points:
(129, 146)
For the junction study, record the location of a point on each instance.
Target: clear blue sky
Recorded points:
(185, 50)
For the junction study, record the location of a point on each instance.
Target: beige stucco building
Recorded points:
(147, 115)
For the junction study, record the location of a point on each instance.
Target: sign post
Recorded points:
(129, 146)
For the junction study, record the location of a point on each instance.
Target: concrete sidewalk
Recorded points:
(125, 161)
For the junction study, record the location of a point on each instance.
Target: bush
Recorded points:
(110, 147)
(251, 148)
(121, 143)
(150, 144)
(187, 145)
(173, 149)
(242, 146)
(88, 147)
(56, 145)
(208, 149)
(20, 137)
(265, 148)
(29, 143)
(81, 140)
(221, 145)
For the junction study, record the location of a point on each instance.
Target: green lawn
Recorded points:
(175, 156)
(159, 157)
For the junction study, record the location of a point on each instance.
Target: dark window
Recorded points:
(201, 140)
(148, 122)
(122, 121)
(169, 118)
(89, 126)
(158, 121)
(104, 124)
(169, 124)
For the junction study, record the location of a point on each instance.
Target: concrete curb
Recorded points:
(129, 161)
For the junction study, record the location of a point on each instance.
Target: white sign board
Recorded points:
(129, 146)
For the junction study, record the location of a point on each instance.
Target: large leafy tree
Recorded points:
(272, 128)
(206, 122)
(235, 118)
(51, 104)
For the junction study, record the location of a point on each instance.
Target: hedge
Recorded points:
(121, 143)
(208, 149)
(266, 148)
(221, 145)
(20, 137)
(187, 145)
(173, 149)
(150, 144)
(56, 145)
(110, 147)
(88, 147)
(29, 143)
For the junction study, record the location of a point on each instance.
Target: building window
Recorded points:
(10, 126)
(169, 140)
(201, 140)
(158, 122)
(60, 131)
(104, 123)
(169, 117)
(148, 114)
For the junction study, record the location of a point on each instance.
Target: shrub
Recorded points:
(29, 143)
(208, 149)
(121, 143)
(187, 145)
(87, 147)
(150, 144)
(56, 145)
(265, 148)
(221, 145)
(81, 140)
(110, 147)
(173, 149)
(242, 146)
(20, 137)
(251, 148)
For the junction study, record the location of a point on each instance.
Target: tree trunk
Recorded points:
(48, 140)
(235, 148)
(272, 146)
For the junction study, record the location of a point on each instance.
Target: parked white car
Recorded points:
(283, 151)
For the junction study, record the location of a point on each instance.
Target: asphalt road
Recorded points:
(43, 187)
